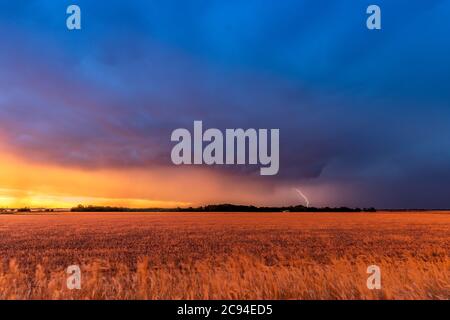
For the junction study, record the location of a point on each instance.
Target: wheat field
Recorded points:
(225, 255)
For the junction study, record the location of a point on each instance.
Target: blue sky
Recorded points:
(364, 115)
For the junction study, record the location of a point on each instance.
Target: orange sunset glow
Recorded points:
(35, 184)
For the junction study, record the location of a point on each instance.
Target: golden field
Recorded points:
(225, 255)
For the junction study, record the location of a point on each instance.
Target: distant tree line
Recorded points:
(22, 210)
(221, 208)
(3, 210)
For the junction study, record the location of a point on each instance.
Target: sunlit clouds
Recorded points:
(28, 184)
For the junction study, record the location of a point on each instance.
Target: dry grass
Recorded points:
(225, 255)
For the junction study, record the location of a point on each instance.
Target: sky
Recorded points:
(86, 115)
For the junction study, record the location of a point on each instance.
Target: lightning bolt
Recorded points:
(303, 196)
